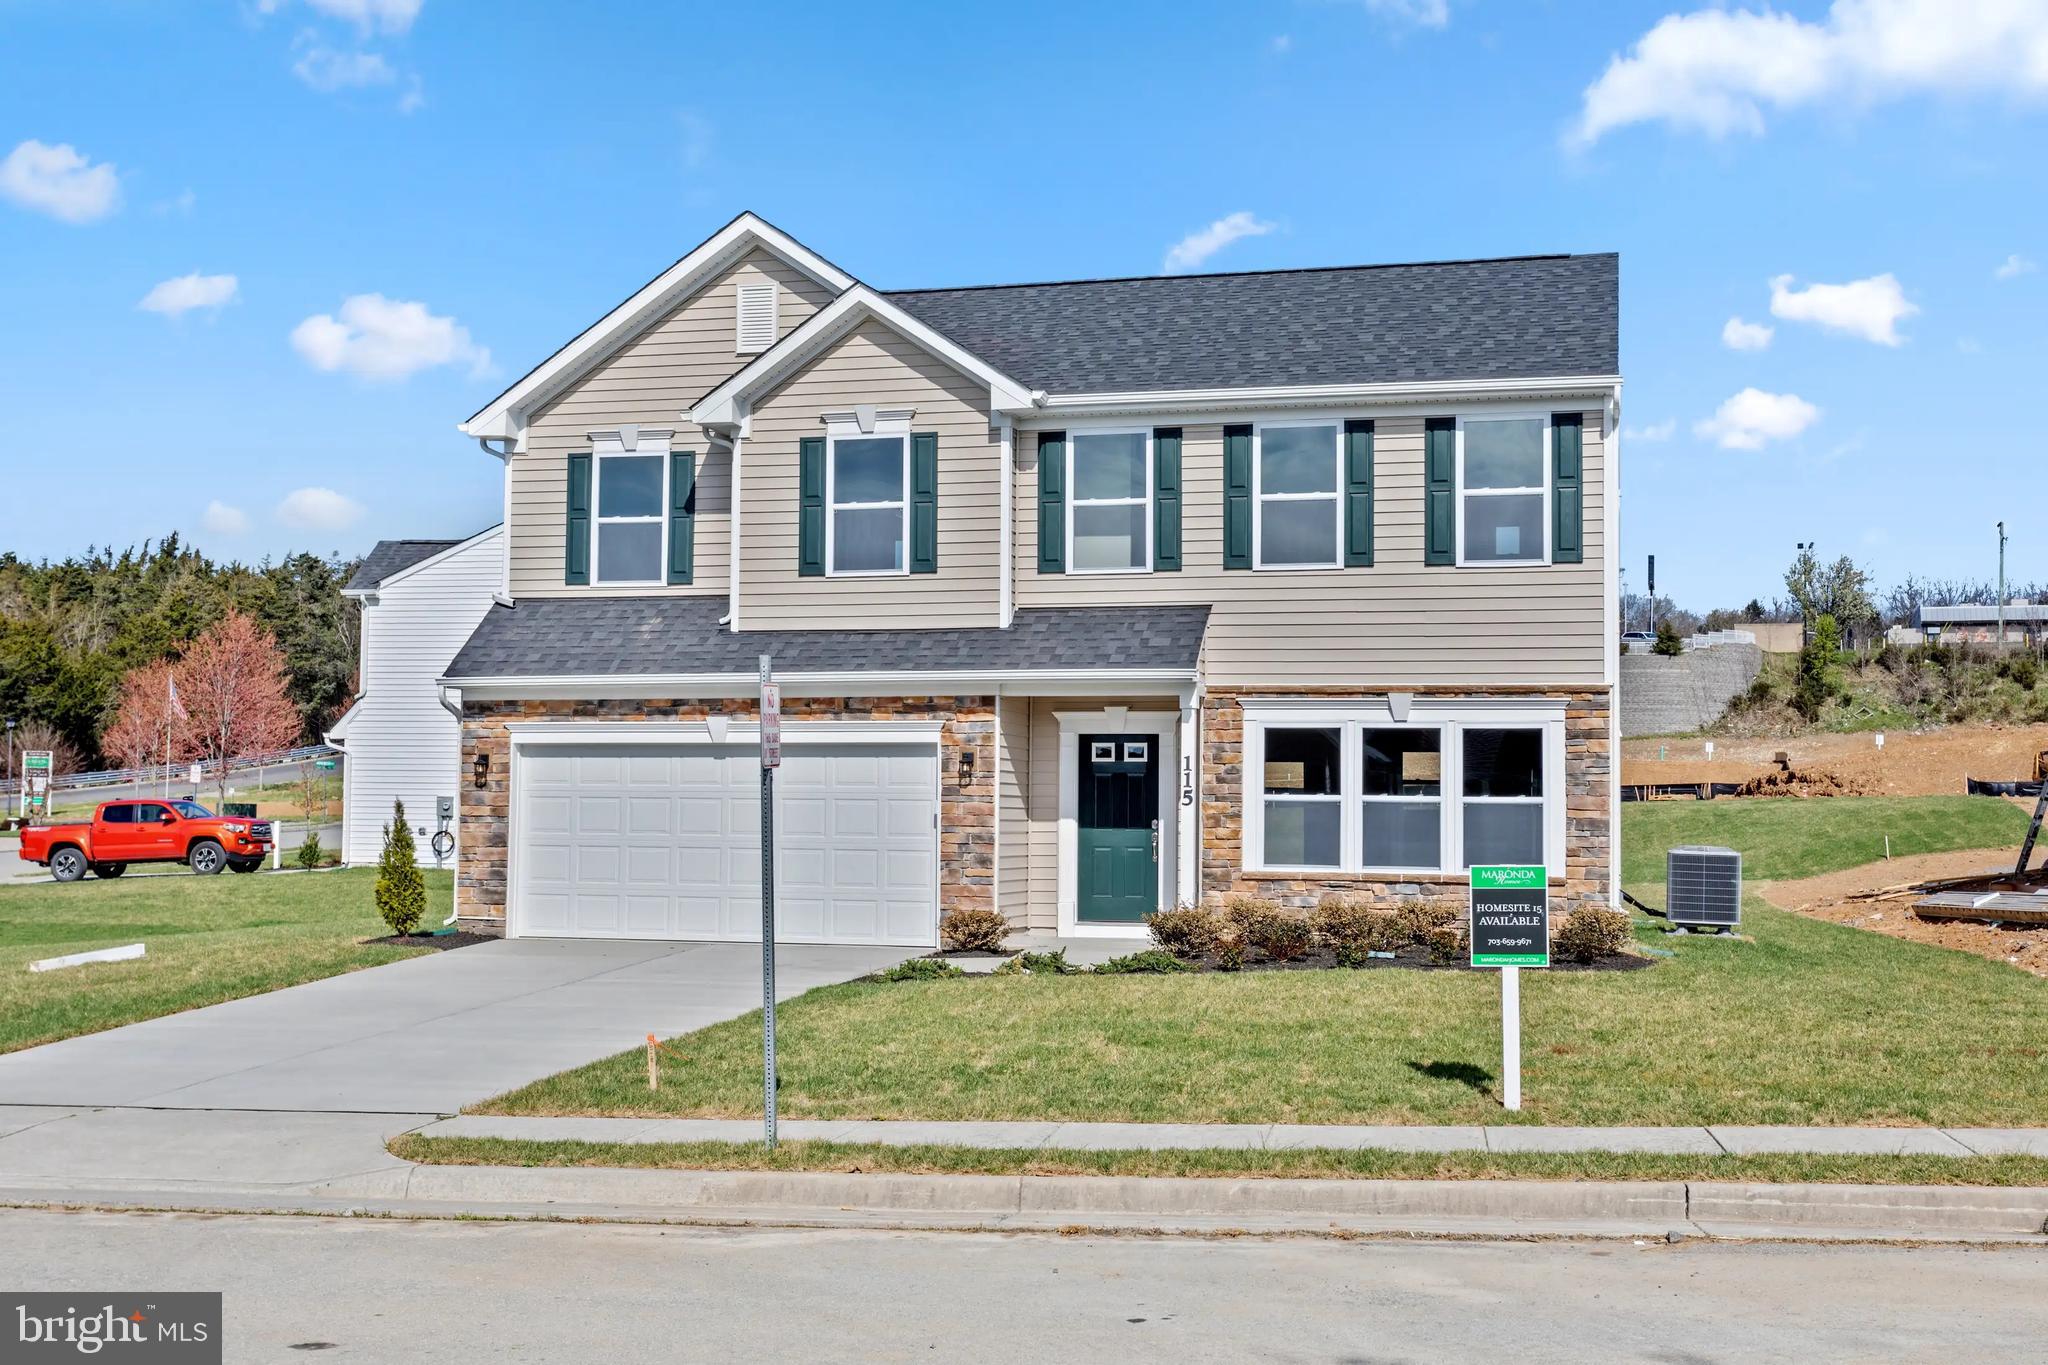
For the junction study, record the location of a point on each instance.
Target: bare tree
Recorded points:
(233, 683)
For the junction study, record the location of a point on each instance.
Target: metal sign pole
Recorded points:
(771, 758)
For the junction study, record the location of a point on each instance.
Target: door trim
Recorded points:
(1164, 726)
(527, 735)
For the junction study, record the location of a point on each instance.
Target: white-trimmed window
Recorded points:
(1504, 489)
(755, 321)
(1109, 516)
(867, 502)
(632, 522)
(1345, 787)
(1297, 501)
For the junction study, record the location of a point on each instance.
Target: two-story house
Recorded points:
(1085, 598)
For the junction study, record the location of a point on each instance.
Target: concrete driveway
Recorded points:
(424, 1036)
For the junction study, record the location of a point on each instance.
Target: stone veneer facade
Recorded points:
(967, 842)
(1589, 835)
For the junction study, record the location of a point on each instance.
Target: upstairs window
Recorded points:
(1504, 494)
(1295, 482)
(757, 318)
(868, 514)
(632, 491)
(1110, 514)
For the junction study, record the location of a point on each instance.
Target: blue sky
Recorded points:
(418, 199)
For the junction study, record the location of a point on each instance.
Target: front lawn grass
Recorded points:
(1307, 1164)
(1804, 1022)
(209, 939)
(1785, 837)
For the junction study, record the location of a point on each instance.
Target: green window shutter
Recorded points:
(1568, 488)
(682, 515)
(1166, 499)
(1052, 502)
(576, 555)
(810, 516)
(924, 502)
(1440, 490)
(1237, 497)
(1358, 493)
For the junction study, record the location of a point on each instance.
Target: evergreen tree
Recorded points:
(401, 890)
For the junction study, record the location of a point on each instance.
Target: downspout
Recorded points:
(503, 597)
(1006, 603)
(731, 619)
(451, 702)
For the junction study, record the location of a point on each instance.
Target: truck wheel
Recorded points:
(244, 864)
(108, 871)
(207, 858)
(67, 864)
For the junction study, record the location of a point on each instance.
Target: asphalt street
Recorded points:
(455, 1292)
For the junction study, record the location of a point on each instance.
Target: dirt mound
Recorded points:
(1804, 782)
(1846, 897)
(1922, 763)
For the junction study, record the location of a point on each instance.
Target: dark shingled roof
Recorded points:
(586, 636)
(1517, 318)
(388, 557)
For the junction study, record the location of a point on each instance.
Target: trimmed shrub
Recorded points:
(1592, 932)
(1418, 920)
(310, 853)
(974, 931)
(1242, 912)
(1151, 960)
(921, 969)
(1053, 963)
(1448, 945)
(1352, 931)
(1187, 931)
(401, 893)
(1227, 948)
(1282, 935)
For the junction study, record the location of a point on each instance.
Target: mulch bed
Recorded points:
(442, 941)
(1407, 959)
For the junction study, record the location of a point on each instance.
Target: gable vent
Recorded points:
(756, 317)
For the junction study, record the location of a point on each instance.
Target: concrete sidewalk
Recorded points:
(1110, 1137)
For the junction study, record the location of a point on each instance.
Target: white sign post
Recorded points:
(37, 768)
(771, 759)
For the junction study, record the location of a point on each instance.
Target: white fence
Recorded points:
(176, 772)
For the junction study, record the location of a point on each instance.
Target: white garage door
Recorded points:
(664, 841)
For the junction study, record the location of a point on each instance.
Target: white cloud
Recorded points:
(318, 509)
(380, 338)
(2015, 266)
(1738, 335)
(329, 69)
(1197, 247)
(392, 16)
(1753, 418)
(1656, 431)
(1420, 13)
(179, 296)
(60, 182)
(223, 520)
(1871, 309)
(1715, 71)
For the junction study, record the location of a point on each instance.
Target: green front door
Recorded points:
(1118, 829)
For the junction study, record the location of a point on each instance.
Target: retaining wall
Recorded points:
(1673, 696)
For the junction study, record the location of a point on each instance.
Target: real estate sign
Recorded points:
(1510, 917)
(36, 766)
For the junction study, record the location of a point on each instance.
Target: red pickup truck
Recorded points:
(147, 831)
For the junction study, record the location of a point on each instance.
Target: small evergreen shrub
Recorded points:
(921, 969)
(1242, 912)
(310, 853)
(1448, 945)
(1282, 935)
(401, 893)
(972, 930)
(1053, 963)
(1592, 932)
(1668, 644)
(1150, 961)
(1187, 931)
(1352, 931)
(1418, 920)
(1227, 948)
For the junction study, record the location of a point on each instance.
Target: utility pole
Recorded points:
(2001, 588)
(1806, 547)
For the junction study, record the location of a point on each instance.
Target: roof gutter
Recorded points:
(1096, 681)
(1182, 400)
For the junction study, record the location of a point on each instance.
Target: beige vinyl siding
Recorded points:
(1013, 822)
(652, 380)
(1398, 623)
(872, 364)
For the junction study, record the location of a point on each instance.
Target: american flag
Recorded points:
(177, 707)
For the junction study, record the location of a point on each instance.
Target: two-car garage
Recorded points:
(618, 837)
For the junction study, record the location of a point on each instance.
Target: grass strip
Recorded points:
(1309, 1163)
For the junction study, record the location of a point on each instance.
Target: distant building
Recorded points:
(1977, 624)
